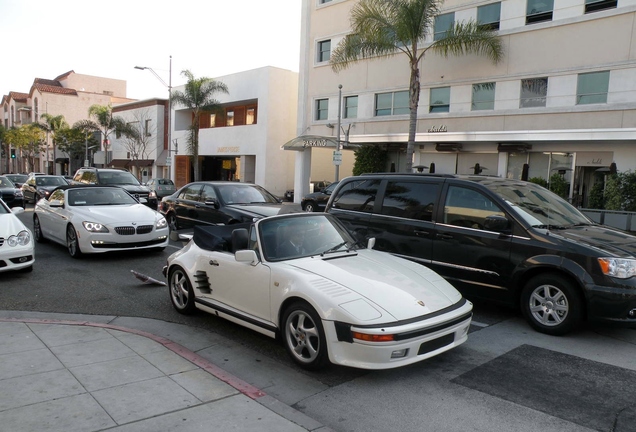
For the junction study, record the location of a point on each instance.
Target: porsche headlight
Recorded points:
(618, 267)
(162, 223)
(95, 227)
(23, 238)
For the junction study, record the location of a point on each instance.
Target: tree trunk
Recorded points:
(414, 96)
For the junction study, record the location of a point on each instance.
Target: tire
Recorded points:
(172, 221)
(37, 230)
(310, 206)
(181, 292)
(72, 243)
(551, 304)
(304, 337)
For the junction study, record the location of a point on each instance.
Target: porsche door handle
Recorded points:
(214, 263)
(444, 236)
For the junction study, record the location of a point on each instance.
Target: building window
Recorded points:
(599, 5)
(489, 15)
(539, 11)
(440, 100)
(229, 118)
(592, 88)
(395, 103)
(351, 107)
(483, 96)
(324, 1)
(250, 116)
(533, 92)
(324, 51)
(147, 127)
(322, 109)
(36, 110)
(443, 23)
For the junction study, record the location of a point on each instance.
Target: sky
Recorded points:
(211, 38)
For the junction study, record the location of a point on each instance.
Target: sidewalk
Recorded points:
(77, 375)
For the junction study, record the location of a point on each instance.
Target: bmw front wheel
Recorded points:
(72, 242)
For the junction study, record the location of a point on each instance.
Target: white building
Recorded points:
(562, 100)
(243, 143)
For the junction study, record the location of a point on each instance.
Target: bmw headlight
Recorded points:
(162, 223)
(23, 238)
(95, 227)
(618, 267)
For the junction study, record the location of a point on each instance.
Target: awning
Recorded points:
(141, 162)
(119, 163)
(61, 160)
(161, 160)
(308, 141)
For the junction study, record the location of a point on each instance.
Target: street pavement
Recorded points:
(64, 373)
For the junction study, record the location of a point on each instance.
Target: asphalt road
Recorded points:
(505, 378)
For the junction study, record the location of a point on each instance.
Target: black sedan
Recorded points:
(10, 194)
(317, 201)
(41, 186)
(219, 202)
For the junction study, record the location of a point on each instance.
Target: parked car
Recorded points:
(90, 219)
(218, 202)
(160, 188)
(499, 239)
(313, 188)
(17, 179)
(115, 177)
(17, 251)
(333, 302)
(317, 201)
(40, 186)
(10, 193)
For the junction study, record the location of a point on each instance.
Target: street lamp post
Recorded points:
(169, 85)
(338, 133)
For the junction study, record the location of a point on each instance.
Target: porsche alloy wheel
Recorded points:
(551, 304)
(304, 337)
(181, 293)
(72, 242)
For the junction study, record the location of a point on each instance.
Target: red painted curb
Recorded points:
(240, 385)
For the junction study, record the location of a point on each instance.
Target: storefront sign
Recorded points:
(594, 159)
(232, 149)
(437, 129)
(321, 142)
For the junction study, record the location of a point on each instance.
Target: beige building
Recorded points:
(70, 95)
(563, 100)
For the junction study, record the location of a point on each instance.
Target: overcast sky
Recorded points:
(44, 39)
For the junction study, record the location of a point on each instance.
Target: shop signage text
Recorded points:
(436, 129)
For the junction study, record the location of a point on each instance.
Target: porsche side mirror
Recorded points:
(246, 255)
(56, 203)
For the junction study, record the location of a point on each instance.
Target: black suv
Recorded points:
(504, 240)
(115, 177)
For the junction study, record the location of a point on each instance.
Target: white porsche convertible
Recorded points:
(301, 278)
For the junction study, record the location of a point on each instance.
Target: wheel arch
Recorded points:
(563, 267)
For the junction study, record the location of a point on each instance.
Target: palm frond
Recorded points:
(470, 38)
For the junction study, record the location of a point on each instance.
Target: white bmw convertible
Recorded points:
(301, 278)
(95, 219)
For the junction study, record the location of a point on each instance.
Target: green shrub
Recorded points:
(596, 199)
(538, 180)
(370, 159)
(559, 186)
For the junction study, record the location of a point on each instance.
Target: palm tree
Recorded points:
(52, 124)
(383, 28)
(105, 123)
(198, 96)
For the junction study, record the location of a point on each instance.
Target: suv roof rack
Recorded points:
(411, 174)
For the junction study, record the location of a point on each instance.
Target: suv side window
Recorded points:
(208, 193)
(412, 200)
(357, 197)
(87, 177)
(468, 208)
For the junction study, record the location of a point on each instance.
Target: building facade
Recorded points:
(243, 142)
(70, 95)
(563, 100)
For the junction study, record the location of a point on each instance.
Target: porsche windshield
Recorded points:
(538, 206)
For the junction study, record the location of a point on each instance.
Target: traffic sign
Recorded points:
(168, 161)
(337, 157)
